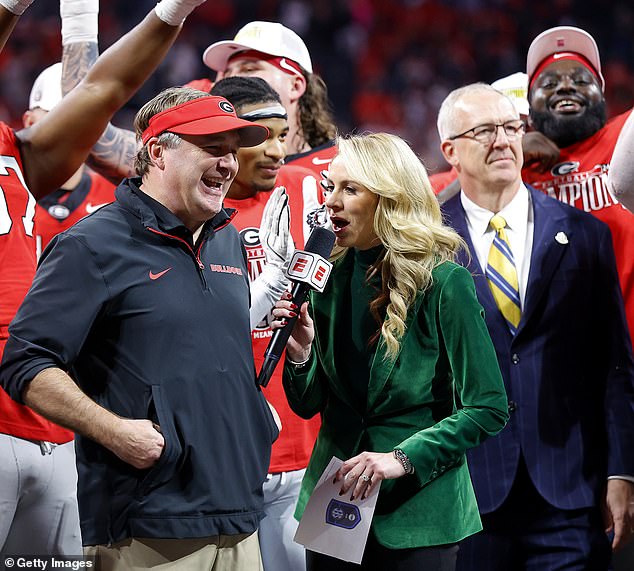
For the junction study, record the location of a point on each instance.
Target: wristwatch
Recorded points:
(404, 460)
(299, 364)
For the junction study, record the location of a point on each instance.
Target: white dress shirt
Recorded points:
(519, 229)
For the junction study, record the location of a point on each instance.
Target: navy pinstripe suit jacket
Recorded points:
(568, 371)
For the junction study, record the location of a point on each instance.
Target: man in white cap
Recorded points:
(567, 105)
(279, 56)
(82, 193)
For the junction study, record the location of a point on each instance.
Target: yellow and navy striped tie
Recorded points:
(502, 275)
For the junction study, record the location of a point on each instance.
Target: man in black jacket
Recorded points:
(136, 336)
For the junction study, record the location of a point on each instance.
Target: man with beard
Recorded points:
(567, 105)
(546, 278)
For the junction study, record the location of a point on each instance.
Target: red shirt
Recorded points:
(61, 209)
(580, 179)
(441, 180)
(291, 451)
(317, 159)
(17, 269)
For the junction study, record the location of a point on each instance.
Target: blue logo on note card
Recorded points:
(342, 514)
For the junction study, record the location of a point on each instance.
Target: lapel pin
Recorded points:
(561, 238)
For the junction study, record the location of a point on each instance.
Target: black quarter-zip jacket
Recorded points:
(152, 326)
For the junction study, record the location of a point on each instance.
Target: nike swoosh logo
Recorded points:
(287, 67)
(90, 208)
(154, 276)
(558, 56)
(317, 161)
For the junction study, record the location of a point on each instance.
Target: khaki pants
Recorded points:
(215, 553)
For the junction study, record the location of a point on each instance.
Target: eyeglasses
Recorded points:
(488, 132)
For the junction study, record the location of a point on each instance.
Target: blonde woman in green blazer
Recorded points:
(396, 357)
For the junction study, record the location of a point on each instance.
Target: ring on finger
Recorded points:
(365, 477)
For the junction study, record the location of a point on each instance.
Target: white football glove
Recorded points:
(278, 246)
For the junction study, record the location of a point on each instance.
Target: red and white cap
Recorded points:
(47, 88)
(563, 41)
(270, 38)
(515, 87)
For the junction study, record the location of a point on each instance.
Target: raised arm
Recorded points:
(7, 22)
(10, 11)
(53, 148)
(621, 173)
(113, 154)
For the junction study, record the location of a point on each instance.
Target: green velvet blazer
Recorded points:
(442, 395)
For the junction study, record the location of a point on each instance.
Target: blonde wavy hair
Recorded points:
(407, 220)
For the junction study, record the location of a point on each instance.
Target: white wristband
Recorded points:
(79, 21)
(16, 7)
(174, 12)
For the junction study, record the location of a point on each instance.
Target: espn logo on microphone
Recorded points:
(310, 269)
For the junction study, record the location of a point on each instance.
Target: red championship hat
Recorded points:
(563, 42)
(205, 116)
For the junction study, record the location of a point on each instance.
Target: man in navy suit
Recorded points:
(546, 277)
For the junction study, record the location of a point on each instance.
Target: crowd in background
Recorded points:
(388, 64)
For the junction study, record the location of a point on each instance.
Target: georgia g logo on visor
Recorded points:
(226, 107)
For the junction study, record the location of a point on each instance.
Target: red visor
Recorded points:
(565, 56)
(205, 116)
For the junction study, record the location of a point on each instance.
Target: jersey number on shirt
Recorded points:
(7, 162)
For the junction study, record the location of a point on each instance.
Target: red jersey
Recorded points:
(580, 180)
(61, 209)
(291, 451)
(441, 180)
(17, 269)
(317, 159)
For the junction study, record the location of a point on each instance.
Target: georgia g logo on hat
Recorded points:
(226, 106)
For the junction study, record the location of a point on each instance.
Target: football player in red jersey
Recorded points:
(84, 192)
(261, 170)
(38, 516)
(278, 55)
(567, 105)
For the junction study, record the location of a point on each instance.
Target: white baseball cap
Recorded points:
(515, 87)
(269, 38)
(47, 88)
(563, 39)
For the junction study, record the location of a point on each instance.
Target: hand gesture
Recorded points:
(275, 231)
(137, 442)
(365, 470)
(539, 151)
(618, 511)
(301, 339)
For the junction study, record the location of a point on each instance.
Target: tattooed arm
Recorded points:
(113, 154)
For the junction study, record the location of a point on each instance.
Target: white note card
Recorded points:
(335, 525)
